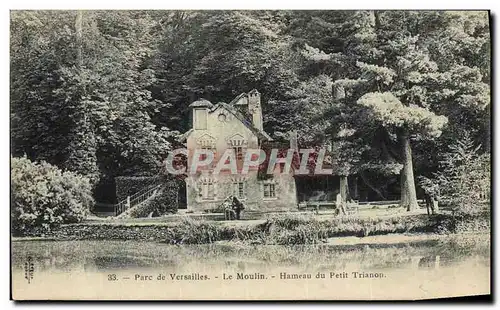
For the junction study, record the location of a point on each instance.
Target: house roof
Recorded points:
(246, 119)
(253, 91)
(241, 114)
(185, 135)
(237, 99)
(201, 103)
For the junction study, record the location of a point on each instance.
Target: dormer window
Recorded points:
(206, 142)
(200, 118)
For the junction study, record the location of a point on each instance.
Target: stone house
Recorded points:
(237, 125)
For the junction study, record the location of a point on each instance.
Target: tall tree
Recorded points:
(76, 109)
(82, 148)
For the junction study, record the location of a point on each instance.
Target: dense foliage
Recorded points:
(44, 197)
(465, 177)
(103, 93)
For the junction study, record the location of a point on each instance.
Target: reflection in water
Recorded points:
(104, 256)
(429, 262)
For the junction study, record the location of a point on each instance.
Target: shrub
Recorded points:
(464, 177)
(43, 196)
(198, 232)
(165, 201)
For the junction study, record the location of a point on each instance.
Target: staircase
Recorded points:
(135, 199)
(106, 209)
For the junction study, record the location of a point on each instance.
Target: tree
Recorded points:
(218, 55)
(348, 129)
(82, 157)
(404, 120)
(464, 176)
(80, 96)
(111, 97)
(376, 63)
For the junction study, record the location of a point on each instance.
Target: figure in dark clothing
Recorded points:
(431, 194)
(237, 207)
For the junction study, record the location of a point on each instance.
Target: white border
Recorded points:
(190, 4)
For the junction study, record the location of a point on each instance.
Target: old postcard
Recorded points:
(250, 155)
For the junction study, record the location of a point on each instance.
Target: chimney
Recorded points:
(255, 109)
(294, 144)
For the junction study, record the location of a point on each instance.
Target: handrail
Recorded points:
(135, 199)
(139, 193)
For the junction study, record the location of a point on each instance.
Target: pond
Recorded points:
(107, 269)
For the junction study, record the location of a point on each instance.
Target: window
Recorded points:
(239, 189)
(200, 119)
(238, 152)
(269, 190)
(237, 142)
(207, 143)
(222, 117)
(208, 190)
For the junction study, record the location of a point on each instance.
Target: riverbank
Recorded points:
(416, 261)
(281, 230)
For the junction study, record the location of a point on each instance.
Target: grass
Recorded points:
(283, 229)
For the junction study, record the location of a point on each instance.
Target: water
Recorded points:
(446, 259)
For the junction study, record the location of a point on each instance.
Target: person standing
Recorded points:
(237, 207)
(431, 194)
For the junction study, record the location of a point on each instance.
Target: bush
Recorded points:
(166, 200)
(44, 197)
(191, 231)
(464, 177)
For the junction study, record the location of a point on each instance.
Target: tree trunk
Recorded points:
(487, 134)
(404, 197)
(78, 30)
(344, 192)
(408, 191)
(355, 194)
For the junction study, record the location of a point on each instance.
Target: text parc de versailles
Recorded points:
(195, 276)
